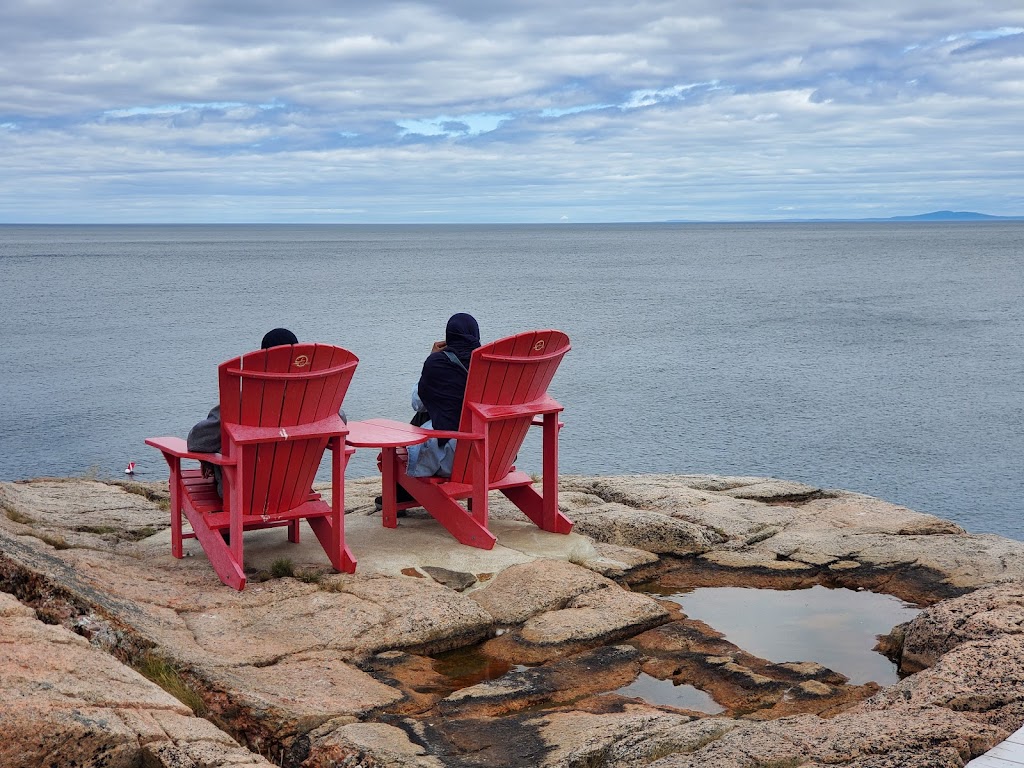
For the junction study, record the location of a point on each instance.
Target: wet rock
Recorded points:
(568, 679)
(691, 652)
(804, 668)
(480, 742)
(814, 688)
(417, 677)
(745, 677)
(457, 580)
(844, 565)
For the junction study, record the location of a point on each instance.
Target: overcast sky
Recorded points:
(508, 110)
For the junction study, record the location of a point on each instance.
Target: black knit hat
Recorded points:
(278, 337)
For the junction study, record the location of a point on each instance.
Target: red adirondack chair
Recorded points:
(506, 393)
(279, 412)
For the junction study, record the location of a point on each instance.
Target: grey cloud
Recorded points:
(702, 109)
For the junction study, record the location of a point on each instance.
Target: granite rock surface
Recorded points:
(432, 656)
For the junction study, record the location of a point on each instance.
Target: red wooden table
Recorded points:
(388, 436)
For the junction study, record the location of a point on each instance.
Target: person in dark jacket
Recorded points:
(442, 383)
(437, 400)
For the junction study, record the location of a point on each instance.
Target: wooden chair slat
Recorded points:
(508, 435)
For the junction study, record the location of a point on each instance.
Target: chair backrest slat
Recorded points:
(514, 371)
(508, 435)
(323, 398)
(283, 387)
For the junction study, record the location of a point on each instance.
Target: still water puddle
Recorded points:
(670, 693)
(468, 666)
(834, 627)
(837, 628)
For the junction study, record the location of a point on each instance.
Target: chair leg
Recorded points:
(463, 526)
(218, 552)
(174, 487)
(532, 505)
(341, 557)
(553, 520)
(176, 494)
(389, 472)
(330, 531)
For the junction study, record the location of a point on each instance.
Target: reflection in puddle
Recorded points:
(468, 666)
(834, 627)
(670, 693)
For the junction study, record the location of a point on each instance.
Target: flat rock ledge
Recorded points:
(432, 654)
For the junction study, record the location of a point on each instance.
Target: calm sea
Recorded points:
(882, 358)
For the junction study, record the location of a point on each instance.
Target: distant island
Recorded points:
(926, 217)
(949, 216)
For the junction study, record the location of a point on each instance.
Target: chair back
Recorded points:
(281, 387)
(514, 373)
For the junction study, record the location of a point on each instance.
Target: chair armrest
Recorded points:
(539, 406)
(175, 446)
(453, 435)
(539, 422)
(334, 443)
(332, 426)
(385, 433)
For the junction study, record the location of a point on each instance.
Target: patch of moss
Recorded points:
(332, 585)
(282, 567)
(53, 539)
(145, 491)
(309, 576)
(100, 530)
(15, 515)
(138, 534)
(163, 673)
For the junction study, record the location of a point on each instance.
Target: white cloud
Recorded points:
(501, 111)
(463, 125)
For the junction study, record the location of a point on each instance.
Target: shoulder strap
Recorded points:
(454, 358)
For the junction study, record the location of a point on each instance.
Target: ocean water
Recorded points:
(882, 358)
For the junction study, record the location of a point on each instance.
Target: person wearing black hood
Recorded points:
(439, 395)
(204, 437)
